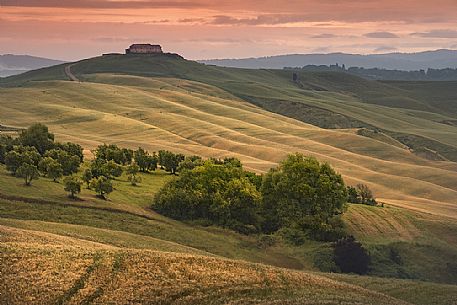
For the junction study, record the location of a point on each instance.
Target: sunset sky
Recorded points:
(203, 29)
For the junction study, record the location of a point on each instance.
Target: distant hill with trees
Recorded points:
(439, 59)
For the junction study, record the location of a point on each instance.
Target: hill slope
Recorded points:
(73, 271)
(151, 101)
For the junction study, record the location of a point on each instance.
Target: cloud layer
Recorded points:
(71, 29)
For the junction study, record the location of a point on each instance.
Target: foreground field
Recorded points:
(73, 271)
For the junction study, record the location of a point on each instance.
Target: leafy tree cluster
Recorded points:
(170, 161)
(361, 194)
(34, 151)
(304, 195)
(301, 197)
(222, 194)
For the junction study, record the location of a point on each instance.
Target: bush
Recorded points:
(350, 256)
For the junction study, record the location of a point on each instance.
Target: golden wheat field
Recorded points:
(196, 118)
(67, 270)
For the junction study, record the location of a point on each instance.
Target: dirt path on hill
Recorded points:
(70, 75)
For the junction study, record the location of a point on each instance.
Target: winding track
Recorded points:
(70, 75)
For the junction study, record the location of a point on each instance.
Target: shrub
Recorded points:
(350, 256)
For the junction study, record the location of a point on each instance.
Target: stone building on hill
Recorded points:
(144, 49)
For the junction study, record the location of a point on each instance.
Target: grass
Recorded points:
(102, 274)
(196, 118)
(96, 251)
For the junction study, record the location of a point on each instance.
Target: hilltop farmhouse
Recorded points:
(144, 49)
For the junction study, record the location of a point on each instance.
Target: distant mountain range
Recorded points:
(17, 64)
(438, 59)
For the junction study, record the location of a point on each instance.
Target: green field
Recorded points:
(398, 138)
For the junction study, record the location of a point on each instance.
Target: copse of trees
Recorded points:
(35, 151)
(221, 194)
(301, 194)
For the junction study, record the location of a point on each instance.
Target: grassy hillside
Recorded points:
(387, 135)
(100, 274)
(197, 118)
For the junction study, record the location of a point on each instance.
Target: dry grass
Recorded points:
(196, 118)
(65, 270)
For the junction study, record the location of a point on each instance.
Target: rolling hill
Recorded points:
(399, 138)
(437, 59)
(16, 64)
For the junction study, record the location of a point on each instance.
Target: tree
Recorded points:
(365, 195)
(72, 185)
(50, 168)
(70, 163)
(170, 161)
(145, 161)
(111, 169)
(350, 256)
(132, 171)
(353, 195)
(101, 186)
(134, 179)
(37, 136)
(72, 149)
(302, 193)
(27, 171)
(20, 155)
(87, 176)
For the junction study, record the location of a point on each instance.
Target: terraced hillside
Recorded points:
(164, 109)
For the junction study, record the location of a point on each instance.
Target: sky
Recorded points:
(204, 29)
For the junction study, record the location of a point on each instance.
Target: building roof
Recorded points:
(144, 45)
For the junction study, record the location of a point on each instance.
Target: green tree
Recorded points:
(132, 171)
(87, 176)
(353, 195)
(51, 168)
(37, 136)
(70, 163)
(170, 161)
(102, 186)
(302, 193)
(111, 169)
(27, 171)
(365, 195)
(72, 185)
(20, 155)
(142, 159)
(72, 149)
